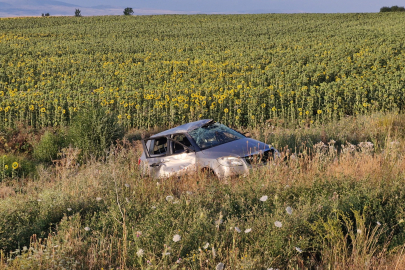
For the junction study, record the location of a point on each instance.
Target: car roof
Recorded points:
(183, 128)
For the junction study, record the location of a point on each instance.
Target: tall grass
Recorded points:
(345, 212)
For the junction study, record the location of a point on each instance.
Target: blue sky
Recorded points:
(10, 8)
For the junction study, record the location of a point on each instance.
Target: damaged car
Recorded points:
(204, 145)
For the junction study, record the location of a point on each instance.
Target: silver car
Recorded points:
(202, 146)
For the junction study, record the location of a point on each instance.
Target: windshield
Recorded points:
(214, 134)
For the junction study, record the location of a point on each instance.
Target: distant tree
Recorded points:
(45, 15)
(385, 9)
(78, 13)
(128, 11)
(392, 9)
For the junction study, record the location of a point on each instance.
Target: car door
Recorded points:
(182, 158)
(155, 150)
(167, 157)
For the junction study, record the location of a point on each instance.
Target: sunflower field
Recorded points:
(238, 69)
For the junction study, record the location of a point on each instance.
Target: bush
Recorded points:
(94, 130)
(13, 167)
(49, 146)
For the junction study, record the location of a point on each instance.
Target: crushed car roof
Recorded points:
(183, 128)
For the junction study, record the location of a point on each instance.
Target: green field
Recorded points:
(78, 94)
(238, 69)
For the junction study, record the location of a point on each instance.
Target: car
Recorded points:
(204, 145)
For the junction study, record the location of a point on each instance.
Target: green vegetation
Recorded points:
(337, 206)
(78, 13)
(93, 131)
(166, 70)
(48, 147)
(392, 9)
(128, 11)
(327, 90)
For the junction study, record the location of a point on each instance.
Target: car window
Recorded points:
(159, 146)
(178, 141)
(214, 134)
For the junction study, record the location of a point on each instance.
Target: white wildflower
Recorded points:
(264, 198)
(127, 185)
(140, 253)
(87, 229)
(69, 209)
(298, 249)
(169, 198)
(289, 210)
(359, 231)
(176, 238)
(39, 200)
(206, 245)
(248, 230)
(237, 230)
(166, 253)
(378, 223)
(220, 266)
(153, 207)
(98, 199)
(219, 221)
(278, 224)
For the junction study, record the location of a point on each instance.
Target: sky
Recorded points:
(13, 8)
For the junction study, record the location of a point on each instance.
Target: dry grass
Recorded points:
(332, 195)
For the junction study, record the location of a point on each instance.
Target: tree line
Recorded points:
(78, 13)
(392, 9)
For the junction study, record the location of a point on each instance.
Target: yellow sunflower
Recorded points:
(15, 165)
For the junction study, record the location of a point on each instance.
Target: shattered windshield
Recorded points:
(214, 134)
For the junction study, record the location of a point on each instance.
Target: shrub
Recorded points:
(48, 147)
(94, 130)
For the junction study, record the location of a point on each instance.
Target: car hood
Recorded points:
(239, 148)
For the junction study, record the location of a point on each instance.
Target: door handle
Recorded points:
(155, 164)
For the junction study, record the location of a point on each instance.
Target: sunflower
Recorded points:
(15, 165)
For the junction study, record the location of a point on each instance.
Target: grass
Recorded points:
(347, 208)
